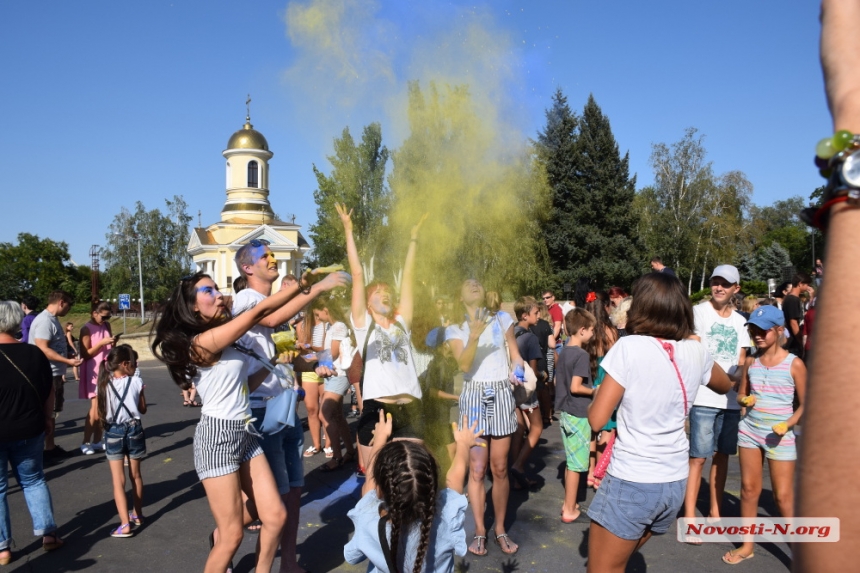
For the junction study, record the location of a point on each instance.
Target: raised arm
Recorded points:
(359, 304)
(407, 290)
(466, 439)
(216, 339)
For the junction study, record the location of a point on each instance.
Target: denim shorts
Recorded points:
(713, 430)
(628, 509)
(126, 439)
(337, 384)
(283, 452)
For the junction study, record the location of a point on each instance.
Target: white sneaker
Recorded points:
(87, 449)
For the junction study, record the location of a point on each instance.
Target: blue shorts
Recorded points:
(628, 509)
(126, 439)
(337, 384)
(283, 452)
(713, 430)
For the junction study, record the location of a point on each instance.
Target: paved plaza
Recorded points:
(178, 521)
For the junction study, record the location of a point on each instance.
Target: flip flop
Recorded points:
(506, 548)
(727, 558)
(478, 546)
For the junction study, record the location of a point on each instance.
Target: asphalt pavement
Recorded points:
(178, 521)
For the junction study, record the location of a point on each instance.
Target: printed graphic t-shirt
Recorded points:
(725, 338)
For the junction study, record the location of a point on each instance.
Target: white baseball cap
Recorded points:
(727, 272)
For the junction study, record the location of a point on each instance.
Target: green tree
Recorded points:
(33, 266)
(357, 179)
(163, 242)
(689, 216)
(772, 262)
(556, 152)
(600, 226)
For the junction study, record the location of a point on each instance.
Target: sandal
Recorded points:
(118, 532)
(478, 546)
(254, 527)
(326, 468)
(51, 545)
(311, 452)
(186, 403)
(195, 404)
(134, 518)
(733, 558)
(509, 547)
(329, 453)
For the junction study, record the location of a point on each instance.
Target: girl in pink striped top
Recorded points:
(767, 390)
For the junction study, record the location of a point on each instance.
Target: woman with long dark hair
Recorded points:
(195, 338)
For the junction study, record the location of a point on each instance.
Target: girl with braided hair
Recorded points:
(402, 522)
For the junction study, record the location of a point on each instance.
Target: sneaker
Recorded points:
(99, 446)
(87, 449)
(353, 414)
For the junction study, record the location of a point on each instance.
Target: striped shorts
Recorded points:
(221, 446)
(491, 404)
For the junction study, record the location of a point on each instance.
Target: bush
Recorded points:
(697, 297)
(754, 287)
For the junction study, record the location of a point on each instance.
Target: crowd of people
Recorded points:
(618, 374)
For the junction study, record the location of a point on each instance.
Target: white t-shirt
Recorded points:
(651, 445)
(725, 339)
(337, 331)
(115, 413)
(388, 367)
(259, 339)
(491, 360)
(224, 386)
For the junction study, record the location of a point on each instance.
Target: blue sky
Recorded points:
(108, 103)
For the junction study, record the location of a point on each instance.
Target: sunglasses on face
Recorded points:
(105, 316)
(547, 297)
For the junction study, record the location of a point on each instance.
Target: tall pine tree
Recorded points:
(592, 231)
(555, 153)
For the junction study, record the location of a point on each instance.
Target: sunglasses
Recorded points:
(547, 297)
(105, 316)
(259, 242)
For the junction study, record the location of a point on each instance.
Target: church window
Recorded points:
(253, 174)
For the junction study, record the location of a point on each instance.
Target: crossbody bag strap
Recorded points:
(364, 354)
(121, 399)
(507, 349)
(21, 372)
(386, 549)
(670, 350)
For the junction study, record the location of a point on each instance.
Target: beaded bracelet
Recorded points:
(838, 161)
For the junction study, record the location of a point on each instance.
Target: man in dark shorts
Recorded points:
(47, 333)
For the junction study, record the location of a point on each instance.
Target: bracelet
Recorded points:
(838, 160)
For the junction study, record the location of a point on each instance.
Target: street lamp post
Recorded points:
(140, 275)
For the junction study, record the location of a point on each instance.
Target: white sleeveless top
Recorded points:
(224, 386)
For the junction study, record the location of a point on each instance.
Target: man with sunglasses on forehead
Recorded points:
(714, 418)
(259, 268)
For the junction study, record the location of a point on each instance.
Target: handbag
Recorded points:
(522, 392)
(600, 468)
(280, 409)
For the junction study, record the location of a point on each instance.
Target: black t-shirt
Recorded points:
(792, 308)
(542, 330)
(22, 403)
(529, 347)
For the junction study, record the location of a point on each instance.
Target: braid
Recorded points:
(407, 475)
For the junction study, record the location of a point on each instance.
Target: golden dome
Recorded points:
(248, 138)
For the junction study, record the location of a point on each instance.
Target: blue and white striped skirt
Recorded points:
(491, 404)
(221, 446)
